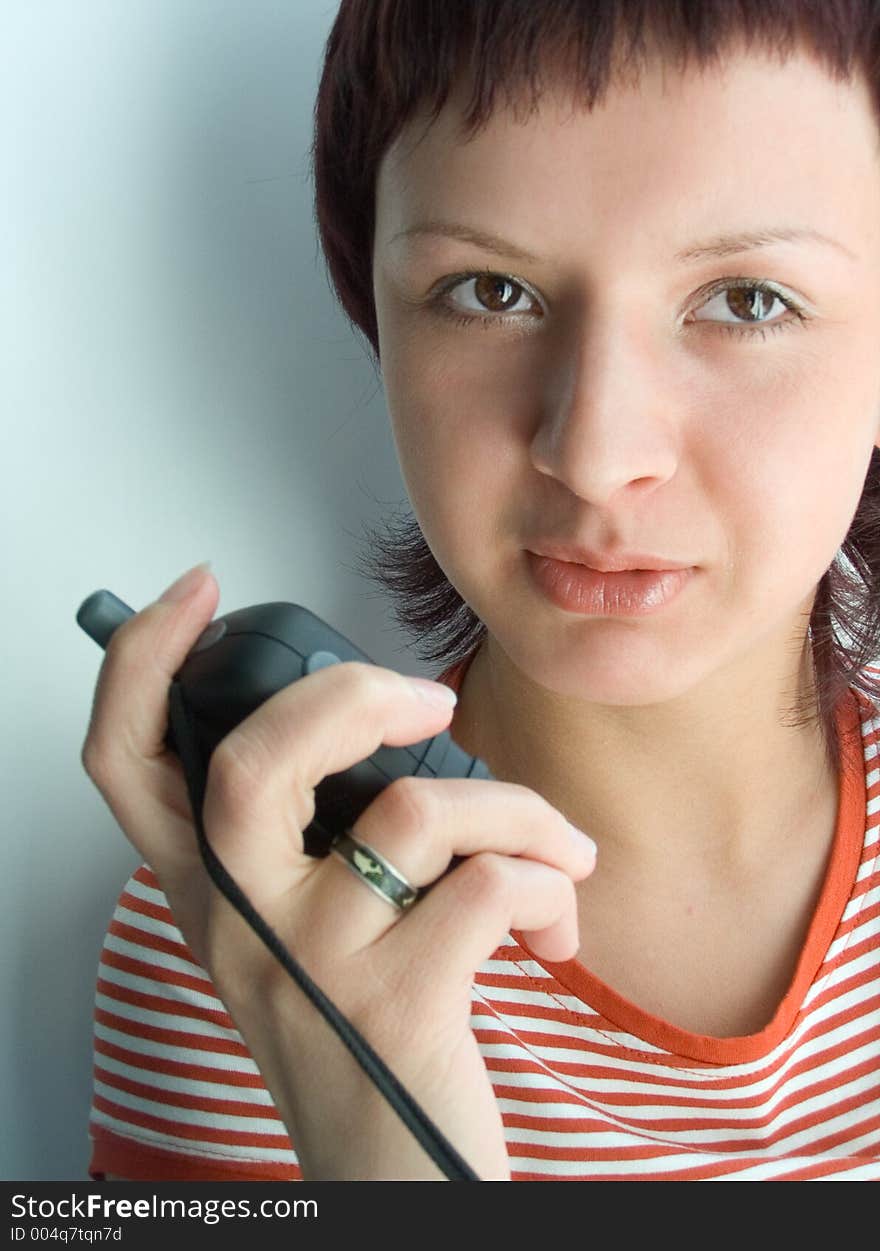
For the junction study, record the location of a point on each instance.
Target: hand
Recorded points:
(404, 980)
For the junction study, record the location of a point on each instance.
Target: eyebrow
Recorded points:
(720, 245)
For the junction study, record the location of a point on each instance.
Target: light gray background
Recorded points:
(177, 384)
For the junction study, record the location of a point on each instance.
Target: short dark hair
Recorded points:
(386, 60)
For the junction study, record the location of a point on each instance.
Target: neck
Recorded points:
(707, 774)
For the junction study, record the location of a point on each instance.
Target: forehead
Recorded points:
(751, 135)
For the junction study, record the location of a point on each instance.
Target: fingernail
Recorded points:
(437, 694)
(185, 584)
(582, 839)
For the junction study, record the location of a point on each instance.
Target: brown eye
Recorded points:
(487, 299)
(750, 303)
(742, 306)
(496, 293)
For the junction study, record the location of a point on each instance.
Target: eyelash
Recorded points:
(487, 320)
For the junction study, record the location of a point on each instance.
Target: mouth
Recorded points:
(577, 587)
(607, 562)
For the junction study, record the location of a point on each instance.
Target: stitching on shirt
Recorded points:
(867, 727)
(206, 1152)
(577, 1018)
(594, 1102)
(874, 727)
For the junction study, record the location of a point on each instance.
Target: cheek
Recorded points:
(454, 427)
(459, 477)
(792, 462)
(775, 446)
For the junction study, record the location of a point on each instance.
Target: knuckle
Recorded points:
(237, 770)
(366, 678)
(99, 760)
(486, 878)
(92, 759)
(372, 683)
(410, 803)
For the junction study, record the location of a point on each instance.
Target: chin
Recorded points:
(614, 669)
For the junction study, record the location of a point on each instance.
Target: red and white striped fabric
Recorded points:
(589, 1086)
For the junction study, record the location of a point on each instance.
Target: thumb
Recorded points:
(142, 657)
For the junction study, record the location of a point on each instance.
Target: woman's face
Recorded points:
(621, 395)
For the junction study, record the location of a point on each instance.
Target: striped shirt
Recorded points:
(589, 1086)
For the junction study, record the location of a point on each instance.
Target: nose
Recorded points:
(607, 423)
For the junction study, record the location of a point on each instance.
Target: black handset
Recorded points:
(237, 663)
(241, 659)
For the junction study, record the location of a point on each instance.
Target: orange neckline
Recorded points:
(846, 852)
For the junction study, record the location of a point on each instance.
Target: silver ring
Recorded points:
(374, 871)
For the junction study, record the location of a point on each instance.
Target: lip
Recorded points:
(578, 588)
(617, 562)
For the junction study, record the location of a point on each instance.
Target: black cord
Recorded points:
(416, 1120)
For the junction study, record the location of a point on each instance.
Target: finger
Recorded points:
(130, 707)
(124, 750)
(468, 915)
(261, 777)
(419, 824)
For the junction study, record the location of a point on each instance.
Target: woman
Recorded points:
(626, 311)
